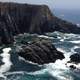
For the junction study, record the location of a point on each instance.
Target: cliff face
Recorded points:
(19, 18)
(27, 18)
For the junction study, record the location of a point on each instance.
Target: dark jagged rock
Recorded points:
(40, 52)
(1, 63)
(65, 26)
(19, 18)
(75, 58)
(73, 67)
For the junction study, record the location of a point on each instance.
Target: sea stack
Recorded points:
(40, 51)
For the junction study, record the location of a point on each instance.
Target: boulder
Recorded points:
(40, 52)
(75, 58)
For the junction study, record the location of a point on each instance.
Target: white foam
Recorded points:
(16, 72)
(75, 42)
(73, 49)
(58, 69)
(61, 67)
(6, 59)
(71, 35)
(2, 76)
(67, 58)
(58, 37)
(62, 40)
(21, 58)
(47, 37)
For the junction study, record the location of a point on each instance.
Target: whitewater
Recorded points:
(17, 68)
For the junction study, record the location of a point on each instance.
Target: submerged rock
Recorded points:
(1, 63)
(75, 58)
(40, 52)
(18, 18)
(73, 67)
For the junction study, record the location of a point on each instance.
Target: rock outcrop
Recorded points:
(19, 18)
(75, 58)
(74, 61)
(40, 52)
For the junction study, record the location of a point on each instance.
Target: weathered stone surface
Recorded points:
(19, 18)
(40, 52)
(75, 58)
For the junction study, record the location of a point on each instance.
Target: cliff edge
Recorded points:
(18, 18)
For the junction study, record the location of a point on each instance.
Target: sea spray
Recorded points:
(6, 60)
(60, 70)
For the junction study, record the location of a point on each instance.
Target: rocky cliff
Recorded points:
(19, 18)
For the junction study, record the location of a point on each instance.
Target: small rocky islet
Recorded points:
(18, 18)
(41, 52)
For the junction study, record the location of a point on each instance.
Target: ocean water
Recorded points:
(17, 68)
(69, 15)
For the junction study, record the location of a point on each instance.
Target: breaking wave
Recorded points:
(16, 68)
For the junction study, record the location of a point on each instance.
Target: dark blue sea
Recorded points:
(17, 68)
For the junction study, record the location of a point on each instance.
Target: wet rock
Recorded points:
(40, 52)
(75, 58)
(1, 63)
(73, 67)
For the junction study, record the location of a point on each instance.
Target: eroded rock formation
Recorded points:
(40, 52)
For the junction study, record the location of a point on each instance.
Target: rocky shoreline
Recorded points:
(18, 18)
